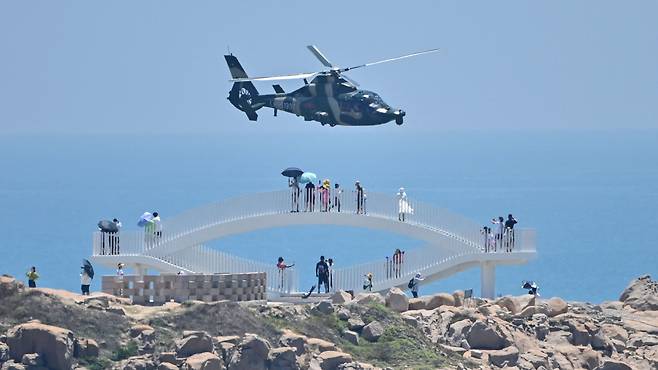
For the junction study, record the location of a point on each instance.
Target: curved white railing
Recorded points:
(460, 239)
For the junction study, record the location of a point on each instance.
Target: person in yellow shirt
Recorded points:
(32, 277)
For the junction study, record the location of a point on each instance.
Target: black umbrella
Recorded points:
(292, 172)
(89, 269)
(108, 226)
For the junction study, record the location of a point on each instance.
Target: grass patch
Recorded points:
(124, 352)
(99, 363)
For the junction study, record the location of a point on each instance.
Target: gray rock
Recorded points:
(341, 297)
(32, 359)
(283, 358)
(203, 361)
(168, 357)
(324, 307)
(138, 363)
(344, 314)
(613, 365)
(330, 360)
(482, 336)
(251, 354)
(355, 324)
(4, 352)
(55, 345)
(372, 331)
(504, 357)
(457, 331)
(11, 365)
(369, 298)
(641, 294)
(193, 343)
(86, 348)
(556, 306)
(396, 300)
(351, 336)
(290, 339)
(167, 366)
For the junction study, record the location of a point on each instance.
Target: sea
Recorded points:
(591, 195)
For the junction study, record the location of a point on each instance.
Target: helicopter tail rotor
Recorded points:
(243, 94)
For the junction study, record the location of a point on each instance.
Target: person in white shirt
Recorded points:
(414, 283)
(499, 229)
(157, 225)
(85, 282)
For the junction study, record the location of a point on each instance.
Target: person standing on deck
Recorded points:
(509, 230)
(157, 224)
(338, 194)
(114, 238)
(293, 184)
(330, 263)
(32, 277)
(498, 231)
(359, 198)
(322, 273)
(310, 196)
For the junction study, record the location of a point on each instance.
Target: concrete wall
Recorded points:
(158, 289)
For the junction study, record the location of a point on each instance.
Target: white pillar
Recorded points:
(140, 270)
(488, 279)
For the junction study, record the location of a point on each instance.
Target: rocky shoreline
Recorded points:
(51, 329)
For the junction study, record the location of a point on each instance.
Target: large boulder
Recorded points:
(283, 358)
(373, 331)
(167, 366)
(291, 339)
(516, 304)
(324, 307)
(341, 297)
(194, 342)
(141, 329)
(458, 295)
(483, 336)
(556, 306)
(641, 294)
(418, 303)
(203, 361)
(438, 300)
(86, 348)
(355, 324)
(369, 298)
(457, 331)
(320, 345)
(351, 336)
(330, 360)
(504, 357)
(396, 300)
(138, 363)
(251, 354)
(9, 286)
(613, 365)
(54, 344)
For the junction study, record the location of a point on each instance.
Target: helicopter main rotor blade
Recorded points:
(320, 56)
(389, 60)
(297, 76)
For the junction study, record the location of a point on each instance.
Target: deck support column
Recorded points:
(140, 270)
(488, 279)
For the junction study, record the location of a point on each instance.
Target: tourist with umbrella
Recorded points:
(86, 276)
(309, 178)
(293, 174)
(106, 227)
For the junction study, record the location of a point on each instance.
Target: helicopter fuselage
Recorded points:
(334, 101)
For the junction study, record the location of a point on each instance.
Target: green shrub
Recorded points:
(123, 352)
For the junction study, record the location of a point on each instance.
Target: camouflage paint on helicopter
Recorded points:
(329, 98)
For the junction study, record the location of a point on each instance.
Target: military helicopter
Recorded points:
(329, 98)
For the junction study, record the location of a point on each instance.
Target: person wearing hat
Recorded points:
(325, 197)
(414, 283)
(403, 205)
(359, 198)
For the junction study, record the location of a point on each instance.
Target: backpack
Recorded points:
(411, 283)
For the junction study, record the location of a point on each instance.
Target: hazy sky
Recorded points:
(157, 66)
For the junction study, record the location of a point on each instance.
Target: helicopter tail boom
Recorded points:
(243, 93)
